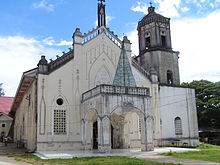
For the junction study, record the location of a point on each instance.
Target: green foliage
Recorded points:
(2, 93)
(29, 158)
(207, 102)
(208, 153)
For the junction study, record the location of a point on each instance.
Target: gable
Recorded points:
(5, 117)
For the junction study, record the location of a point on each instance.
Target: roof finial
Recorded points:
(101, 14)
(151, 8)
(101, 1)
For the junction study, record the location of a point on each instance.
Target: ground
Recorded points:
(9, 153)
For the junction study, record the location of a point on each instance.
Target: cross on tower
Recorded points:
(101, 14)
(151, 4)
(101, 1)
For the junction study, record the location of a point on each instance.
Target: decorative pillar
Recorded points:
(88, 135)
(104, 134)
(147, 134)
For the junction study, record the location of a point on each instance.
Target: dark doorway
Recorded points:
(112, 136)
(95, 135)
(163, 39)
(169, 77)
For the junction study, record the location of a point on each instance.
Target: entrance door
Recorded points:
(95, 135)
(112, 136)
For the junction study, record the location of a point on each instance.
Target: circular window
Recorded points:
(60, 101)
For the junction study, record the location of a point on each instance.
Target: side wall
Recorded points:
(5, 125)
(178, 102)
(25, 120)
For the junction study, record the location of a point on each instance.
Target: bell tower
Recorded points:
(155, 47)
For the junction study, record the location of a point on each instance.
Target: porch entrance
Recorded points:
(95, 135)
(126, 129)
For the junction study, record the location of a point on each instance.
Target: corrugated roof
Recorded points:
(5, 104)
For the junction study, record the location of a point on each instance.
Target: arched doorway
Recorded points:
(90, 130)
(126, 126)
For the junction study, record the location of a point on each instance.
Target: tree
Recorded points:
(2, 92)
(207, 102)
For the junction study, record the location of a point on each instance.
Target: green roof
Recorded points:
(124, 75)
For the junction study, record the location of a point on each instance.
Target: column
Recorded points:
(147, 134)
(104, 134)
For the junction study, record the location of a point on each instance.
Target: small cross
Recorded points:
(150, 4)
(101, 1)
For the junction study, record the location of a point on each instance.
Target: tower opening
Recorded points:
(163, 40)
(147, 42)
(169, 77)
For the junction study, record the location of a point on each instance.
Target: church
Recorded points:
(99, 97)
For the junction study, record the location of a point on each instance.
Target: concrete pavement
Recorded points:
(4, 160)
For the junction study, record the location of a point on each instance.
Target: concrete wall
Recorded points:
(178, 102)
(25, 120)
(5, 124)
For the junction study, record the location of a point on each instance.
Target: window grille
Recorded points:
(59, 122)
(178, 126)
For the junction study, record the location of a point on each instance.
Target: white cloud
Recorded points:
(140, 7)
(43, 4)
(133, 37)
(51, 42)
(185, 9)
(169, 7)
(166, 7)
(212, 5)
(19, 54)
(198, 43)
(65, 43)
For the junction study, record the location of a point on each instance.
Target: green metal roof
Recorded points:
(124, 75)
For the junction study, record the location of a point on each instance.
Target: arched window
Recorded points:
(163, 40)
(59, 118)
(178, 126)
(169, 77)
(147, 40)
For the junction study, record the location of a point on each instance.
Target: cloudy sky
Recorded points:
(31, 28)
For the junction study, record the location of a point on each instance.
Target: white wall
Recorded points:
(178, 102)
(94, 62)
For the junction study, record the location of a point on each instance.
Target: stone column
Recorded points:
(147, 134)
(88, 135)
(104, 134)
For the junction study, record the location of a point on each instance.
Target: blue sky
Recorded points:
(30, 28)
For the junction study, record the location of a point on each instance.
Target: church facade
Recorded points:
(97, 96)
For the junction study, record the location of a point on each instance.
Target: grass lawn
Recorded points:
(208, 152)
(29, 158)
